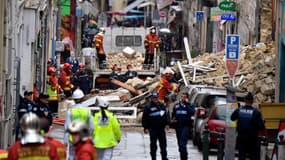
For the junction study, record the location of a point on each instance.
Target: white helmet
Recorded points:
(101, 29)
(168, 70)
(30, 125)
(103, 103)
(78, 127)
(77, 94)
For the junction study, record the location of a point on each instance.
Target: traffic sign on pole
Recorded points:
(232, 54)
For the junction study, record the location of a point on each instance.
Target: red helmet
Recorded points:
(66, 66)
(81, 66)
(51, 69)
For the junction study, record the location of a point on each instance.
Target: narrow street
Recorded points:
(135, 145)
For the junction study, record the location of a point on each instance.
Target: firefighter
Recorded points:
(181, 120)
(164, 86)
(107, 132)
(60, 147)
(77, 112)
(249, 124)
(32, 145)
(65, 79)
(3, 154)
(84, 149)
(154, 121)
(53, 89)
(81, 79)
(151, 43)
(98, 43)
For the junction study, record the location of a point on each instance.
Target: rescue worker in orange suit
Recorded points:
(164, 86)
(151, 43)
(84, 149)
(32, 145)
(65, 79)
(81, 79)
(60, 147)
(3, 154)
(53, 89)
(98, 43)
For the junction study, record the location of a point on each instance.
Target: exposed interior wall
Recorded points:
(266, 21)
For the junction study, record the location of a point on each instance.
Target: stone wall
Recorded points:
(266, 21)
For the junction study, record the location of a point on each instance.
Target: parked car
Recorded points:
(204, 98)
(216, 122)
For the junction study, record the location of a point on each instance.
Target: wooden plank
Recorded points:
(128, 87)
(187, 49)
(182, 73)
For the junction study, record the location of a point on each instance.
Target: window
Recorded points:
(122, 41)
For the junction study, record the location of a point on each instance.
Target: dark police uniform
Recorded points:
(250, 122)
(155, 118)
(182, 112)
(40, 110)
(81, 79)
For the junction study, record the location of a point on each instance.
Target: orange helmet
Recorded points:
(66, 66)
(81, 66)
(51, 69)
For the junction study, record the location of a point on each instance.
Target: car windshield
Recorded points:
(220, 113)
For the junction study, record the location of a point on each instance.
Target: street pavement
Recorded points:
(135, 145)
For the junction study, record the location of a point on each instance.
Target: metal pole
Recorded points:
(58, 30)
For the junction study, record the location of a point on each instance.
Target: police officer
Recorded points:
(250, 122)
(181, 119)
(42, 108)
(154, 121)
(130, 72)
(77, 112)
(107, 132)
(32, 145)
(81, 79)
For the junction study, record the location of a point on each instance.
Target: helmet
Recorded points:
(103, 103)
(81, 65)
(248, 97)
(152, 29)
(78, 127)
(168, 71)
(154, 94)
(77, 94)
(101, 29)
(66, 66)
(51, 70)
(30, 125)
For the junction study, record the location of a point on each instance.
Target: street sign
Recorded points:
(200, 15)
(228, 17)
(232, 54)
(59, 46)
(228, 5)
(216, 13)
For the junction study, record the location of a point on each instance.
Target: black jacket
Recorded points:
(155, 116)
(25, 107)
(250, 121)
(182, 112)
(81, 80)
(41, 108)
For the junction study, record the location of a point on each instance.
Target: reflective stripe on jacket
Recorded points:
(106, 133)
(3, 154)
(163, 87)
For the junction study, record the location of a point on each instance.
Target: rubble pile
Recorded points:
(257, 66)
(266, 21)
(123, 59)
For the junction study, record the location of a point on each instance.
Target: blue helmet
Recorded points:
(154, 94)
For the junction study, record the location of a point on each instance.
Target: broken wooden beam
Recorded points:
(128, 87)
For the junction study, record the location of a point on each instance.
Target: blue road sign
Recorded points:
(199, 15)
(228, 17)
(232, 47)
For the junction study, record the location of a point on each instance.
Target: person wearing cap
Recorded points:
(181, 120)
(77, 112)
(107, 132)
(26, 105)
(130, 72)
(45, 131)
(151, 43)
(155, 120)
(42, 108)
(84, 149)
(164, 85)
(249, 124)
(32, 145)
(81, 79)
